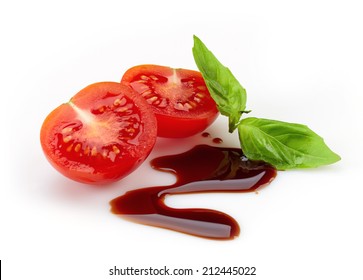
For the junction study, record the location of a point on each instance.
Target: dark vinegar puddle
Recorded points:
(201, 169)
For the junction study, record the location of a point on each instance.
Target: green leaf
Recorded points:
(283, 145)
(224, 88)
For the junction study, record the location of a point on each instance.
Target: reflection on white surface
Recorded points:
(211, 185)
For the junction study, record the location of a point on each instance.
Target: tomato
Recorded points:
(179, 98)
(102, 134)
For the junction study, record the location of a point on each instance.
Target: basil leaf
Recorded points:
(224, 88)
(283, 145)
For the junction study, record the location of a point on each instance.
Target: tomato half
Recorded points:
(180, 99)
(102, 134)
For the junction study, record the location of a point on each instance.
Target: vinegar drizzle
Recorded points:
(202, 169)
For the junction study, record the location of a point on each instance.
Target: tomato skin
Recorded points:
(101, 135)
(179, 97)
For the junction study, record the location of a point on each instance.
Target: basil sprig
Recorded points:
(224, 88)
(282, 144)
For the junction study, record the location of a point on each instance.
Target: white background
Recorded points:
(300, 61)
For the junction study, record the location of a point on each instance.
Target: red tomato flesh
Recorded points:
(179, 97)
(102, 134)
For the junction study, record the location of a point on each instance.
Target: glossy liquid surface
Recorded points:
(201, 169)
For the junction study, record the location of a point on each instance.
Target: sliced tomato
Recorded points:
(102, 134)
(179, 98)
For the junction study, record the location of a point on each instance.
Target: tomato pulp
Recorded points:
(102, 134)
(179, 97)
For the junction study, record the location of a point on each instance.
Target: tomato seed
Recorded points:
(77, 148)
(86, 151)
(193, 104)
(66, 130)
(117, 102)
(163, 103)
(122, 109)
(179, 106)
(146, 93)
(187, 106)
(152, 99)
(67, 139)
(115, 150)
